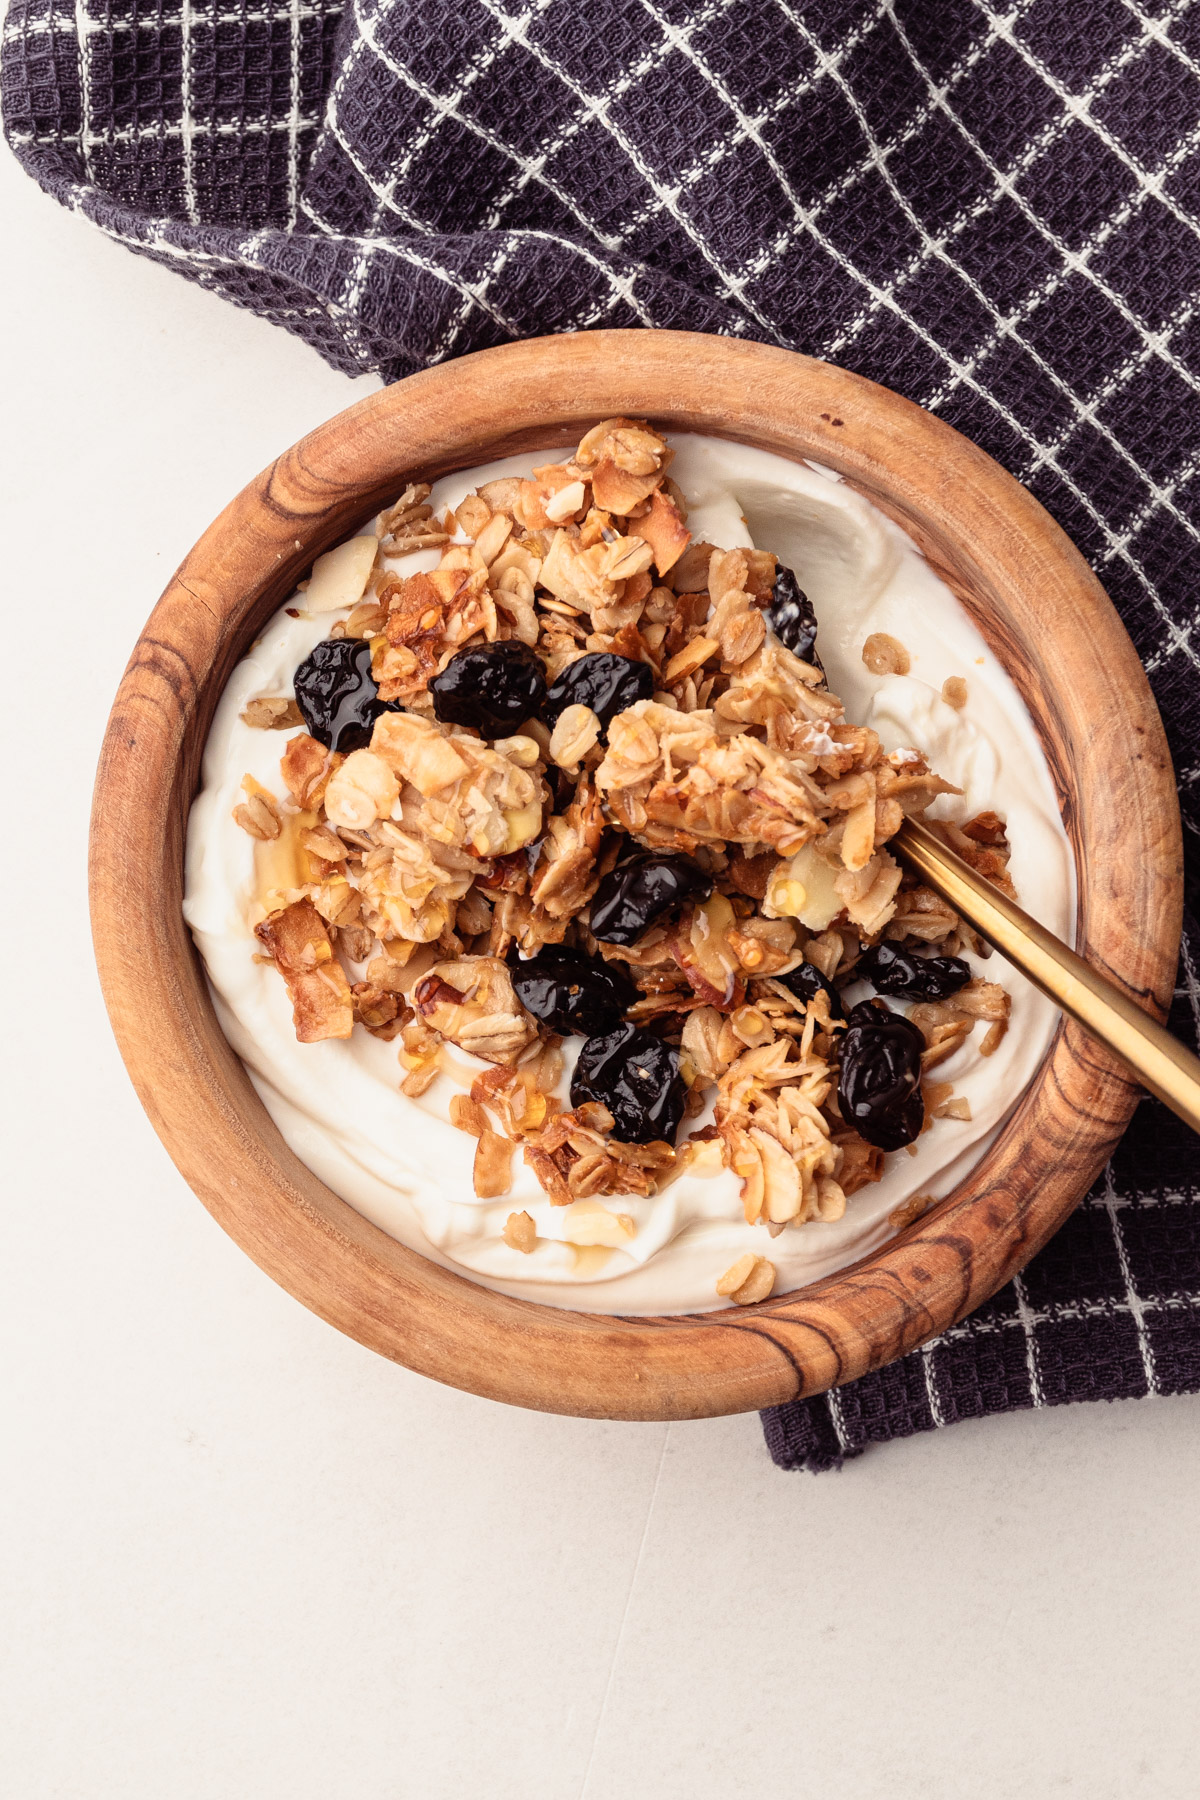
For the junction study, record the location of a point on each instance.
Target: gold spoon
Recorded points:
(1159, 1062)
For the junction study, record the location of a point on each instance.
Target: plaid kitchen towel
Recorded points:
(993, 208)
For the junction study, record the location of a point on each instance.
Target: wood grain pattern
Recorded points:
(1043, 613)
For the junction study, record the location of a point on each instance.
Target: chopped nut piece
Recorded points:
(417, 1080)
(958, 1108)
(417, 750)
(356, 941)
(491, 540)
(520, 1232)
(361, 791)
(734, 1276)
(492, 1172)
(748, 1280)
(336, 900)
(701, 1040)
(565, 503)
(576, 731)
(885, 655)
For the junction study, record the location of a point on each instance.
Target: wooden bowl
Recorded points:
(1034, 600)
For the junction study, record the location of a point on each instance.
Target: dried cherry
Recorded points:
(570, 991)
(791, 617)
(337, 694)
(491, 688)
(640, 890)
(606, 682)
(807, 982)
(879, 1086)
(891, 970)
(636, 1075)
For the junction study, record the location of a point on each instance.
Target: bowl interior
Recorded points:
(1035, 602)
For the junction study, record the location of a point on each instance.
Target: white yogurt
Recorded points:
(401, 1163)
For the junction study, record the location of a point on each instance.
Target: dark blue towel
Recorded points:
(995, 212)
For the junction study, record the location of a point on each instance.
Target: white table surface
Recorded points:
(243, 1555)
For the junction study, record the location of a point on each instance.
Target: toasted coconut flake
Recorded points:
(417, 1081)
(306, 767)
(467, 1115)
(664, 531)
(492, 1171)
(298, 943)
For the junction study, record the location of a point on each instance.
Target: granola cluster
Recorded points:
(404, 879)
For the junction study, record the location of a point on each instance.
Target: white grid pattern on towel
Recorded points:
(599, 108)
(735, 283)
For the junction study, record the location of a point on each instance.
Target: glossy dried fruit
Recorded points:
(603, 681)
(636, 1076)
(807, 982)
(570, 991)
(879, 1086)
(636, 893)
(337, 694)
(891, 970)
(490, 688)
(792, 619)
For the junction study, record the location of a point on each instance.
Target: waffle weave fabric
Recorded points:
(996, 212)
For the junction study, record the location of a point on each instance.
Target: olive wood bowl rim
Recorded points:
(1010, 564)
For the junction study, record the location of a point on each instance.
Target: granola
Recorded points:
(419, 868)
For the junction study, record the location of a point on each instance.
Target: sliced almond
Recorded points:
(735, 1274)
(748, 1280)
(693, 656)
(339, 578)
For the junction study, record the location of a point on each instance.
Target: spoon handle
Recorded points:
(1154, 1056)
